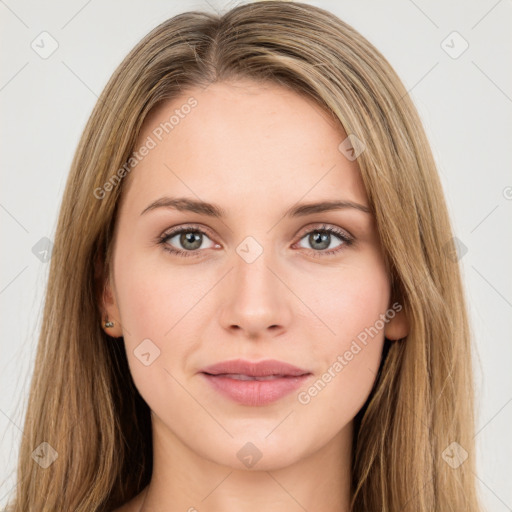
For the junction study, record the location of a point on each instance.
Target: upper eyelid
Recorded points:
(184, 227)
(324, 225)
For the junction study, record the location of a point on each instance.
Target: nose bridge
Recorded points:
(252, 260)
(254, 295)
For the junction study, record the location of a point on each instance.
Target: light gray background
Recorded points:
(465, 104)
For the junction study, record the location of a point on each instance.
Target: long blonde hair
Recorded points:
(83, 402)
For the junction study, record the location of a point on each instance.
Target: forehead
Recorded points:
(238, 140)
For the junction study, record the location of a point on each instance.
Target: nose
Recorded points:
(257, 302)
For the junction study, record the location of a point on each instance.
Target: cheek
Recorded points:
(154, 296)
(162, 310)
(353, 307)
(146, 301)
(350, 300)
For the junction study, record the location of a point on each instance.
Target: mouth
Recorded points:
(255, 384)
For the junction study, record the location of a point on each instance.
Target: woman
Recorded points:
(252, 302)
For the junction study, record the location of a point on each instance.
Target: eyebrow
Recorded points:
(186, 204)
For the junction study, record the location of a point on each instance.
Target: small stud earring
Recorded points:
(108, 324)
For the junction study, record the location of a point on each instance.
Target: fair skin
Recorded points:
(255, 151)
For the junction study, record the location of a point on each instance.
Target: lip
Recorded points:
(263, 368)
(282, 379)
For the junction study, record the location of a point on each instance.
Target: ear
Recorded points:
(397, 327)
(106, 302)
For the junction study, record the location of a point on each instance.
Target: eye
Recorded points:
(321, 238)
(189, 238)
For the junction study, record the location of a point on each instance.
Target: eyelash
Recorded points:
(162, 240)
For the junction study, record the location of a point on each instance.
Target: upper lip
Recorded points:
(255, 368)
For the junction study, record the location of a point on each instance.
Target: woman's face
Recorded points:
(254, 283)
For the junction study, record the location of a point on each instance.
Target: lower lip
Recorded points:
(255, 392)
